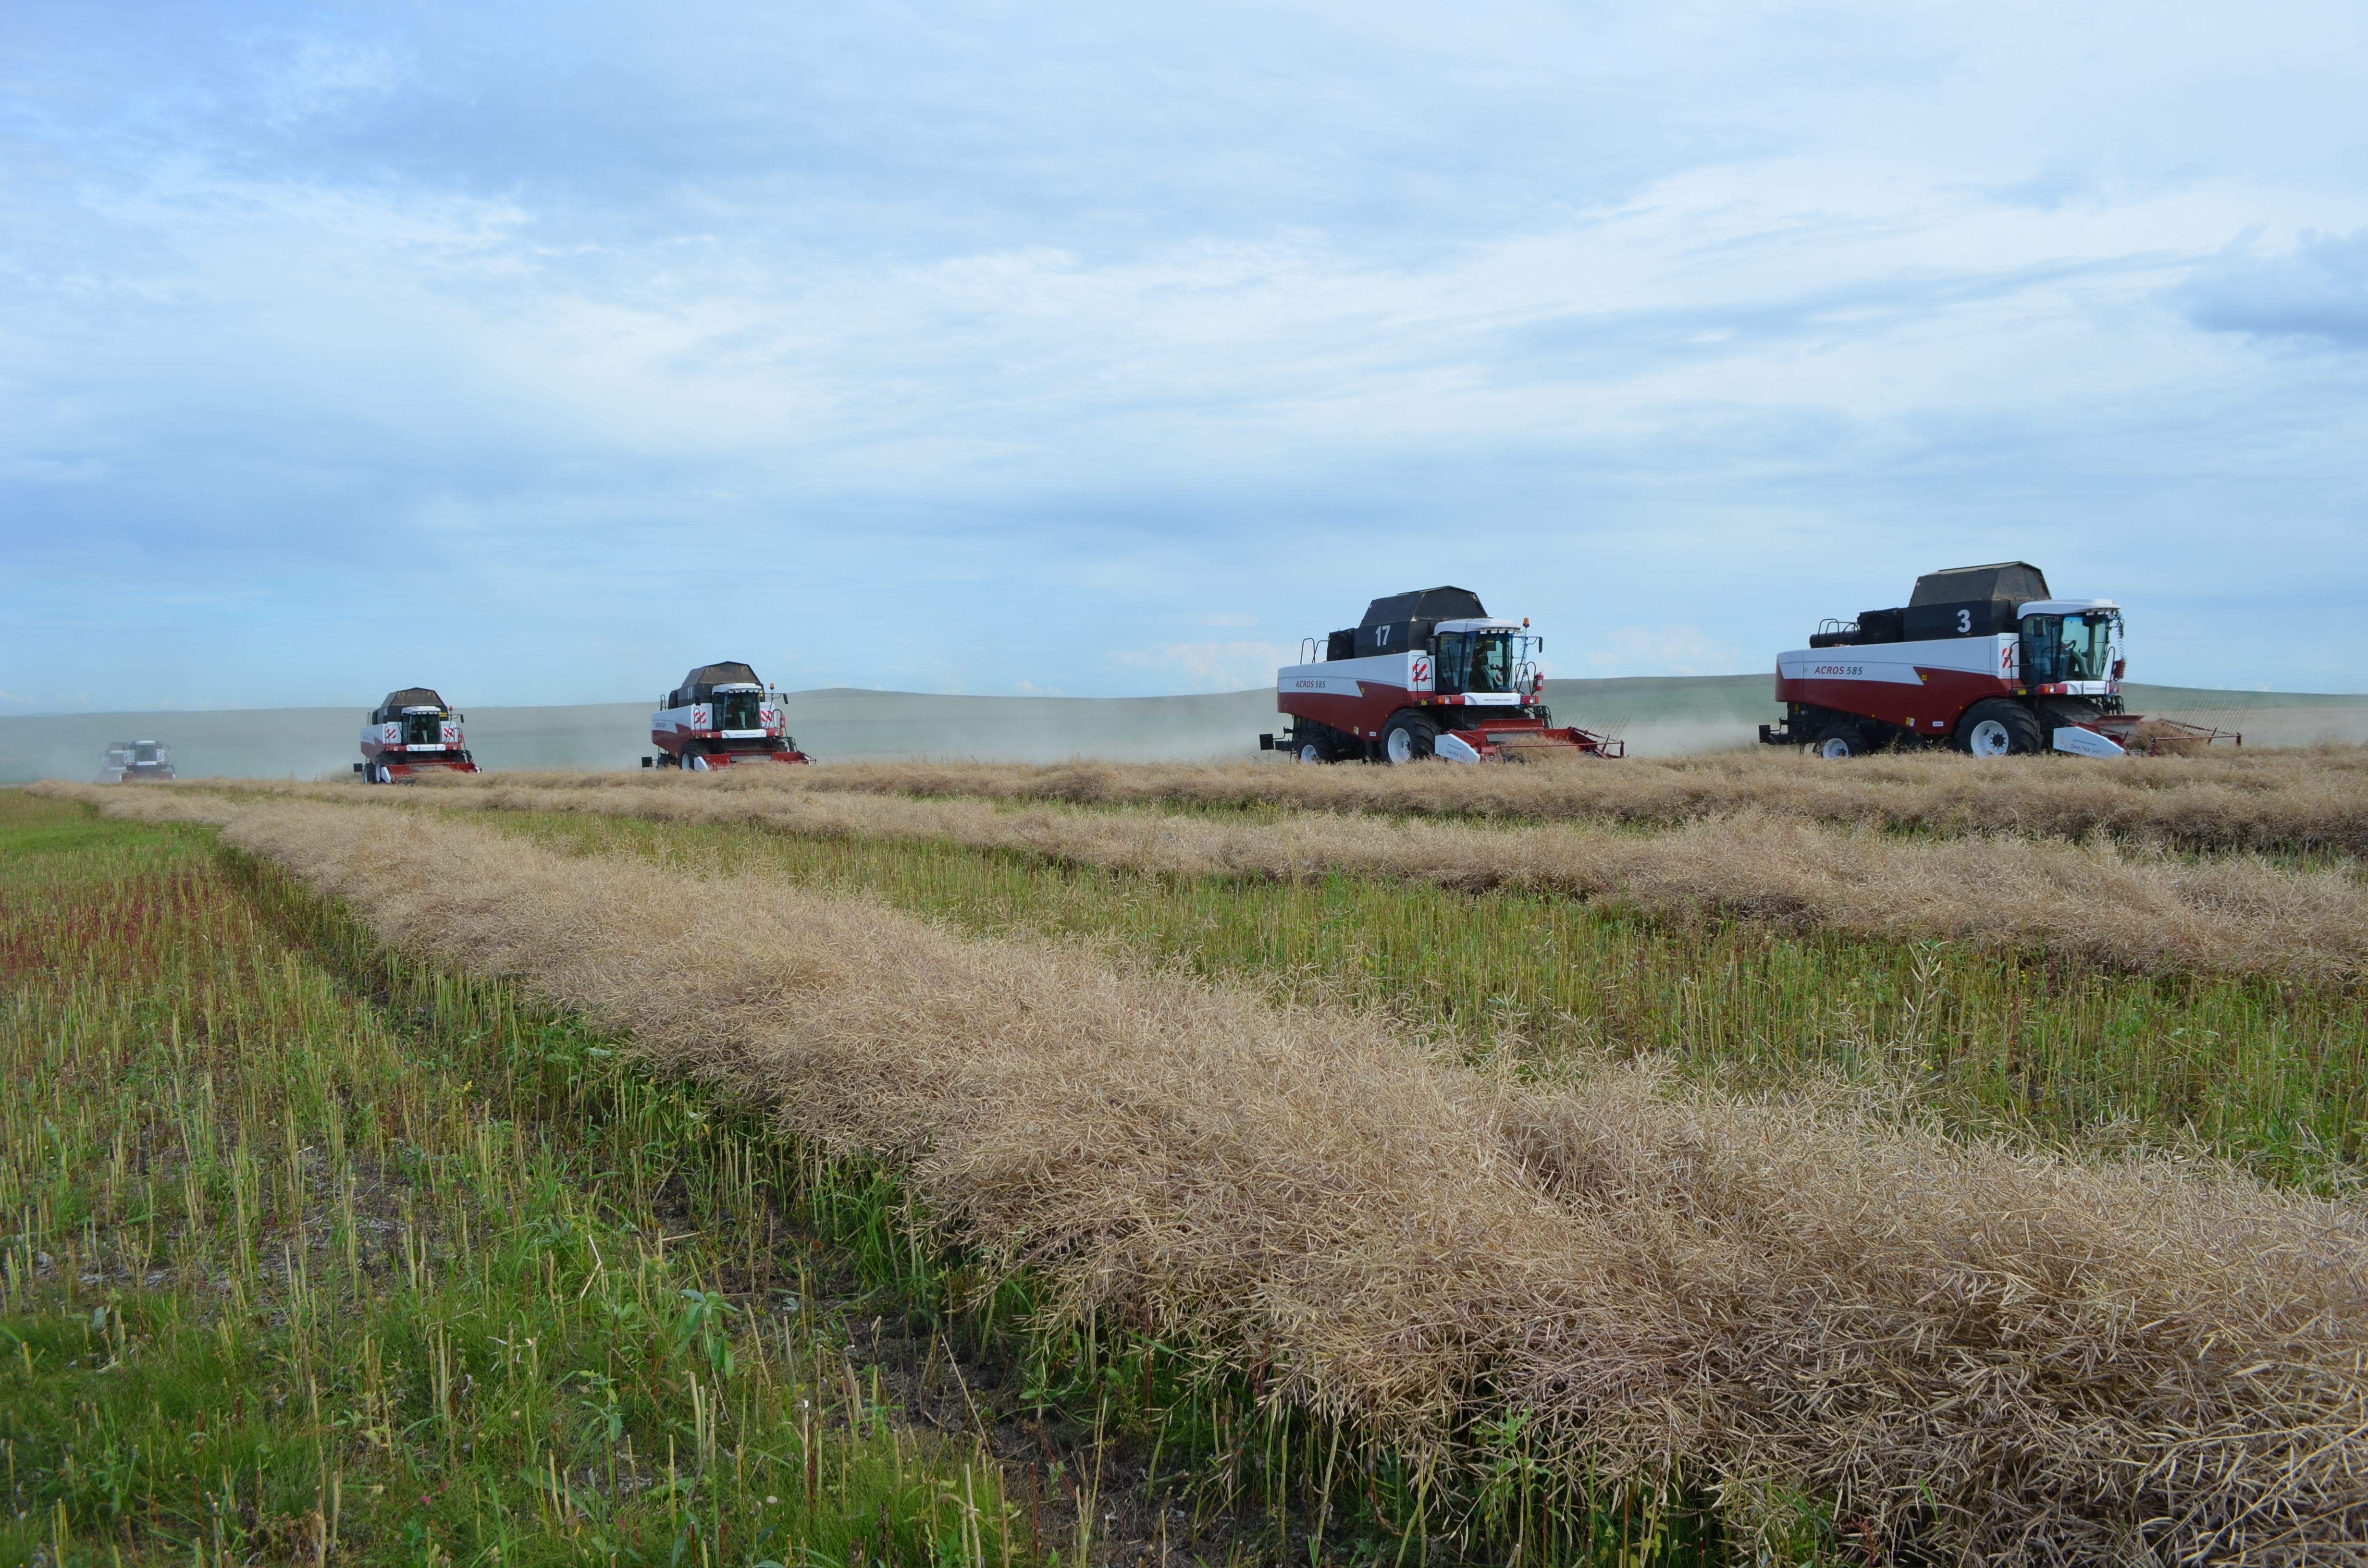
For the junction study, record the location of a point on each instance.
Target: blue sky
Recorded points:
(538, 352)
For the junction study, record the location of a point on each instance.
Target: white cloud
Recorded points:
(2318, 290)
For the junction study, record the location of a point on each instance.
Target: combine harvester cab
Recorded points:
(412, 732)
(720, 716)
(135, 762)
(1981, 658)
(1427, 674)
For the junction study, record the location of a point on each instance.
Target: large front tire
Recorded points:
(1998, 728)
(1408, 737)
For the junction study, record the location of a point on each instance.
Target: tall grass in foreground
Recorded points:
(289, 1274)
(2270, 1074)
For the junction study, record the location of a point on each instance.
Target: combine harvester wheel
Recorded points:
(1410, 736)
(1842, 742)
(1998, 728)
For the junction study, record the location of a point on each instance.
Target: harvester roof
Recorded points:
(2016, 580)
(721, 674)
(1424, 604)
(705, 680)
(408, 698)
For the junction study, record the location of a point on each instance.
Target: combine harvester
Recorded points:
(135, 762)
(1981, 658)
(720, 716)
(412, 732)
(1427, 674)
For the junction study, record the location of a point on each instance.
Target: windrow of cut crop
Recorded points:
(1974, 1355)
(2266, 1072)
(2133, 908)
(2311, 799)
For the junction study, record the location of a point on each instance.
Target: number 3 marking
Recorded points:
(1965, 622)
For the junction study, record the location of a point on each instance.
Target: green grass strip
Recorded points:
(294, 1273)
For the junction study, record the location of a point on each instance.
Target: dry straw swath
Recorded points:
(2302, 798)
(2009, 1357)
(2137, 907)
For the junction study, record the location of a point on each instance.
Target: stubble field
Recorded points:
(1727, 1160)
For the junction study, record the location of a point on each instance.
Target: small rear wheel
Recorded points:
(1839, 744)
(1408, 736)
(1998, 728)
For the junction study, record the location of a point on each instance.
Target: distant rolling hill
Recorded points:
(1660, 715)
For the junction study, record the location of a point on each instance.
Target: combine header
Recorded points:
(1427, 674)
(135, 762)
(720, 716)
(412, 732)
(1981, 658)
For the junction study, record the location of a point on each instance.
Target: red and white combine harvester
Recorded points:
(1981, 658)
(412, 732)
(720, 716)
(1427, 674)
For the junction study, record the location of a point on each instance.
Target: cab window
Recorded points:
(1474, 661)
(1452, 663)
(2067, 648)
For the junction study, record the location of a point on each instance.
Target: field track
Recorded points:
(1978, 1348)
(2139, 908)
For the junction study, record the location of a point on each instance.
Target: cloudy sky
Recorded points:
(537, 352)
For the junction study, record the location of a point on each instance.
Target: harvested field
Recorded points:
(1973, 1355)
(2306, 798)
(378, 1267)
(2138, 908)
